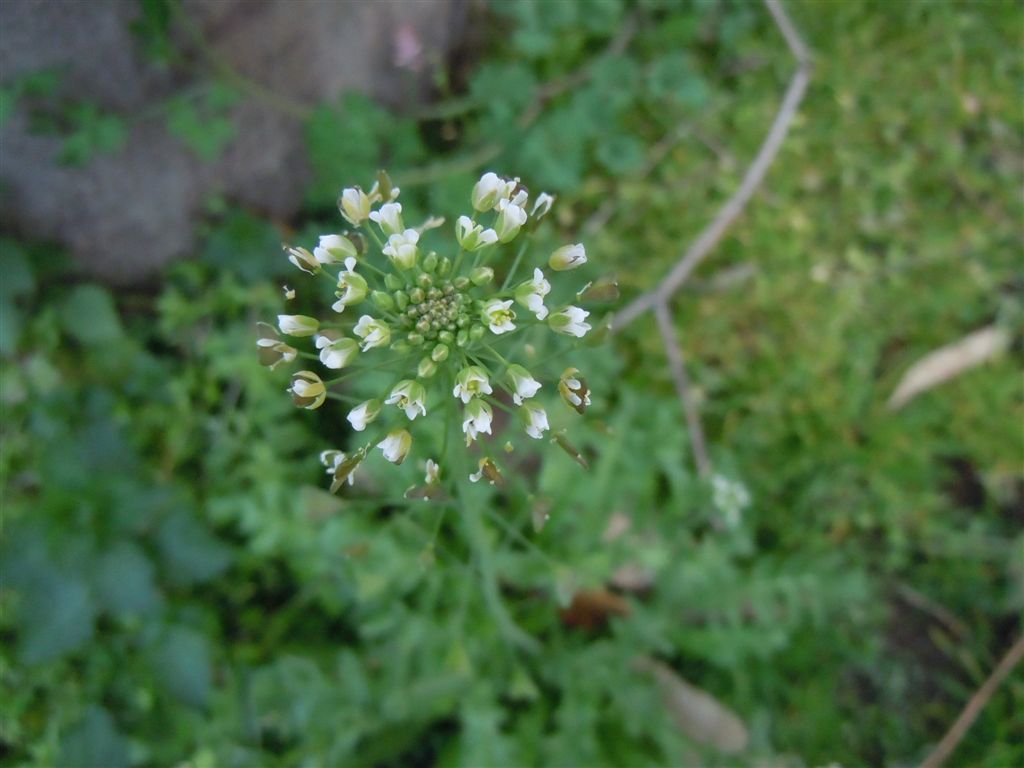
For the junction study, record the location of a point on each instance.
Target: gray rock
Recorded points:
(126, 214)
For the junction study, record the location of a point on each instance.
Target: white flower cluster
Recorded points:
(438, 313)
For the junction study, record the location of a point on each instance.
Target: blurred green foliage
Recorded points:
(179, 588)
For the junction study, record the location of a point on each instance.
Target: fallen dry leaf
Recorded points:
(591, 608)
(948, 362)
(699, 715)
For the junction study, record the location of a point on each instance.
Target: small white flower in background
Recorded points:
(570, 322)
(470, 382)
(341, 466)
(401, 248)
(542, 205)
(377, 195)
(289, 293)
(374, 333)
(298, 325)
(574, 390)
(409, 396)
(336, 351)
(307, 390)
(389, 218)
(334, 249)
(531, 294)
(363, 414)
(498, 315)
(486, 468)
(354, 205)
(511, 218)
(488, 191)
(524, 386)
(352, 287)
(535, 420)
(433, 473)
(473, 237)
(478, 416)
(568, 257)
(331, 459)
(272, 351)
(395, 446)
(730, 498)
(303, 259)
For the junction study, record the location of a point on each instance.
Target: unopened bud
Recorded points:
(461, 282)
(392, 282)
(440, 353)
(482, 275)
(430, 262)
(426, 368)
(416, 339)
(416, 295)
(476, 332)
(444, 266)
(382, 300)
(401, 299)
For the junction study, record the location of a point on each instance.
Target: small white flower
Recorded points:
(568, 257)
(303, 259)
(486, 468)
(574, 390)
(363, 414)
(488, 191)
(401, 248)
(297, 325)
(531, 294)
(478, 416)
(535, 420)
(272, 351)
(470, 382)
(352, 287)
(542, 205)
(289, 293)
(730, 497)
(433, 473)
(524, 386)
(376, 195)
(570, 322)
(336, 351)
(354, 205)
(410, 396)
(395, 446)
(389, 218)
(334, 249)
(340, 466)
(374, 333)
(472, 236)
(307, 390)
(498, 315)
(511, 218)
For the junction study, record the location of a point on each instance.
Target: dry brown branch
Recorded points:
(752, 179)
(974, 706)
(678, 369)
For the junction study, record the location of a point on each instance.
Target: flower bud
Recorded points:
(382, 300)
(410, 396)
(488, 191)
(389, 219)
(542, 205)
(523, 384)
(430, 262)
(401, 248)
(510, 220)
(303, 259)
(384, 187)
(446, 337)
(444, 266)
(297, 325)
(426, 368)
(570, 321)
(424, 281)
(535, 420)
(416, 339)
(476, 332)
(395, 446)
(374, 333)
(473, 237)
(568, 257)
(336, 351)
(481, 275)
(416, 295)
(392, 282)
(272, 351)
(352, 287)
(307, 390)
(401, 299)
(440, 353)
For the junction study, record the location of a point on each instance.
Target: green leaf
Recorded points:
(124, 582)
(16, 278)
(621, 154)
(89, 315)
(57, 615)
(190, 554)
(93, 741)
(182, 660)
(246, 246)
(203, 126)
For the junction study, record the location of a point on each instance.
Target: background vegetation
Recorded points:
(179, 587)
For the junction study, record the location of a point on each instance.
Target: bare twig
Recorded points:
(682, 382)
(755, 174)
(974, 706)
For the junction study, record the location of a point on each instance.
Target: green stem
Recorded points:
(515, 264)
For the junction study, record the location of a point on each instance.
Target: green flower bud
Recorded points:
(401, 298)
(446, 337)
(416, 296)
(440, 353)
(462, 338)
(476, 332)
(482, 275)
(430, 262)
(426, 368)
(416, 339)
(401, 346)
(461, 282)
(444, 266)
(392, 282)
(424, 281)
(382, 300)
